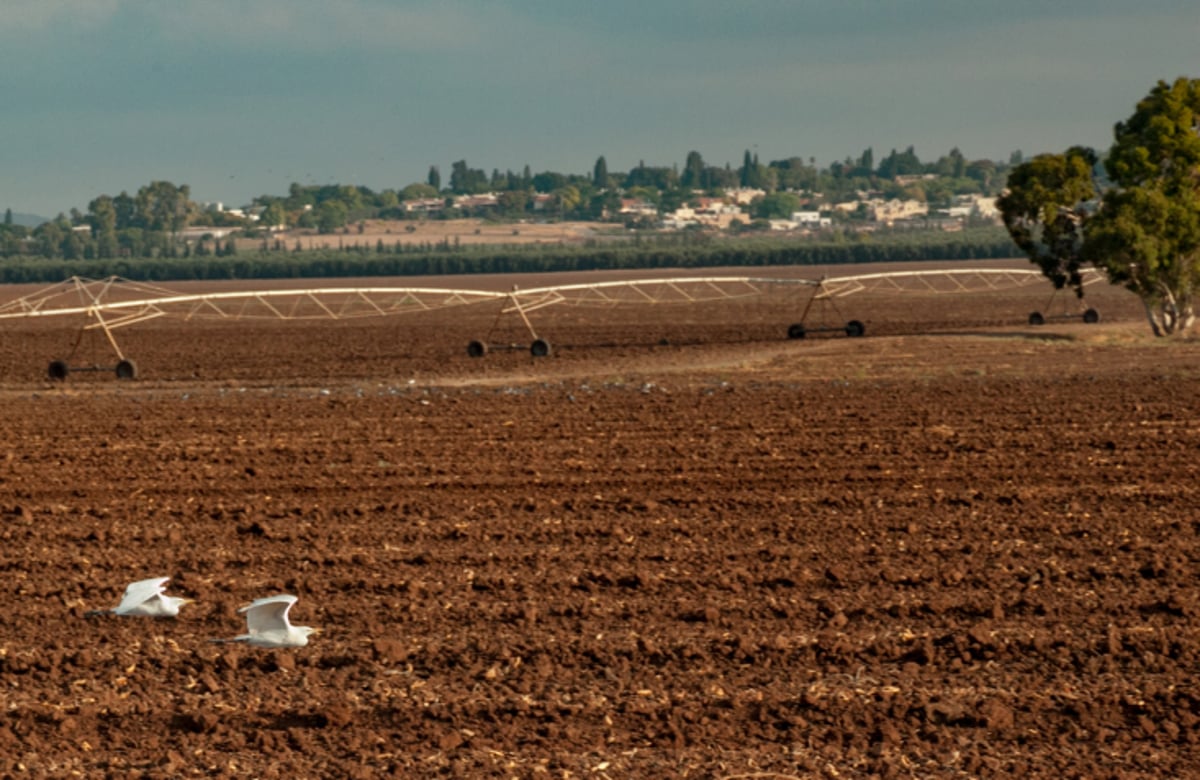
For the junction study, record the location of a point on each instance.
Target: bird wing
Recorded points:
(268, 614)
(138, 593)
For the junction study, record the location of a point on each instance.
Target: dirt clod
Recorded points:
(955, 552)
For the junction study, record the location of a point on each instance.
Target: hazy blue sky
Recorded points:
(238, 98)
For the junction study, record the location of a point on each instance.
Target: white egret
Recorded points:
(146, 598)
(267, 624)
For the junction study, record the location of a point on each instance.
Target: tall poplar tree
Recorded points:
(693, 171)
(600, 173)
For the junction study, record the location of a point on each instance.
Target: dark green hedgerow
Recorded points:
(682, 252)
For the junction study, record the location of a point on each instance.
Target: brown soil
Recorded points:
(681, 546)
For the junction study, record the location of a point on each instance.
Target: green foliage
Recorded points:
(1145, 231)
(983, 171)
(1146, 234)
(147, 224)
(693, 171)
(905, 164)
(163, 207)
(1159, 145)
(603, 205)
(776, 205)
(273, 216)
(866, 163)
(651, 178)
(600, 173)
(794, 174)
(418, 191)
(1045, 210)
(331, 216)
(366, 259)
(467, 181)
(717, 179)
(513, 203)
(757, 176)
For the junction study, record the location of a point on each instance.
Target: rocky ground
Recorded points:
(680, 546)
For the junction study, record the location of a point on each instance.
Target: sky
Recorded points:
(240, 98)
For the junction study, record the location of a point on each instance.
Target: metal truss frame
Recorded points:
(113, 303)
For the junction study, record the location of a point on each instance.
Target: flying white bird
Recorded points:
(146, 598)
(267, 624)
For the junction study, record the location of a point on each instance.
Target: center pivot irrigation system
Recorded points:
(113, 303)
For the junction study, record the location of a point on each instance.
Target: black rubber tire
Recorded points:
(126, 369)
(58, 370)
(1037, 319)
(477, 349)
(1091, 316)
(854, 329)
(796, 331)
(540, 348)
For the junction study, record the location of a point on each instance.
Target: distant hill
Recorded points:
(28, 220)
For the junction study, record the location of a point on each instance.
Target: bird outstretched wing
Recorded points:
(138, 593)
(268, 614)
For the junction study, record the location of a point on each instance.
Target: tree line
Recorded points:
(149, 222)
(676, 251)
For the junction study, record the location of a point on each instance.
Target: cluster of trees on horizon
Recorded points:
(147, 223)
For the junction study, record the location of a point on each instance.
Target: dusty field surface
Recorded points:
(680, 546)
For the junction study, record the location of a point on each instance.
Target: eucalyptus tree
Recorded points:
(1146, 234)
(161, 206)
(49, 237)
(103, 219)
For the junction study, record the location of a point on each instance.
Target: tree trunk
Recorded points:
(1168, 315)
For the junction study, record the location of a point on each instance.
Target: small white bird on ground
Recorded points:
(267, 624)
(146, 598)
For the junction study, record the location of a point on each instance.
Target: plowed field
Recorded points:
(680, 546)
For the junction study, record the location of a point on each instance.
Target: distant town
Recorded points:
(783, 197)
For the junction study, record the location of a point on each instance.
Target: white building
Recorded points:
(811, 220)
